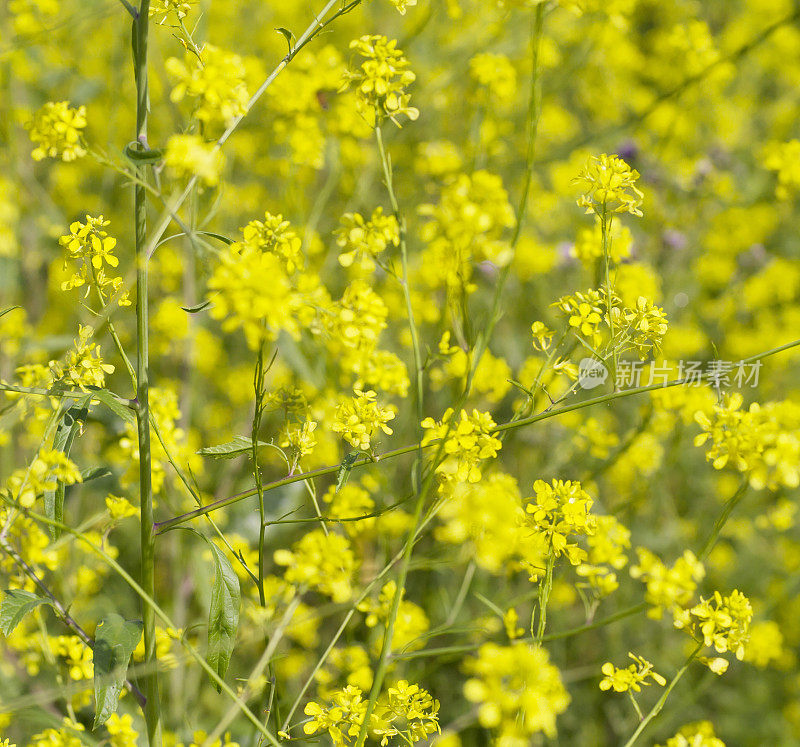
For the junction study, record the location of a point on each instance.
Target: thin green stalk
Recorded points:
(545, 587)
(727, 509)
(605, 229)
(418, 369)
(152, 709)
(549, 412)
(258, 387)
(657, 708)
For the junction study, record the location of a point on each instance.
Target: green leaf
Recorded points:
(223, 615)
(288, 35)
(197, 307)
(114, 641)
(240, 445)
(15, 605)
(94, 473)
(112, 403)
(345, 468)
(217, 236)
(67, 430)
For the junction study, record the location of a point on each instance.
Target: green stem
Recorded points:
(730, 504)
(545, 587)
(605, 229)
(418, 369)
(657, 708)
(152, 709)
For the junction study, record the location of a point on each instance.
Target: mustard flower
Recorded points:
(646, 327)
(357, 419)
(761, 442)
(631, 677)
(784, 159)
(164, 8)
(610, 185)
(242, 298)
(542, 336)
(120, 508)
(77, 656)
(518, 691)
(121, 731)
(48, 468)
(411, 622)
(215, 83)
(381, 80)
(83, 366)
(561, 510)
(496, 76)
(363, 240)
(322, 561)
(668, 588)
(57, 131)
(699, 734)
(722, 622)
(403, 5)
(190, 155)
(65, 736)
(275, 236)
(468, 441)
(349, 502)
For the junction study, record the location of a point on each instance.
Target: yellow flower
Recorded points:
(190, 155)
(610, 186)
(631, 677)
(358, 418)
(57, 131)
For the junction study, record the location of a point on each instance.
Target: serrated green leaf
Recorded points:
(223, 615)
(240, 445)
(112, 403)
(197, 307)
(114, 641)
(15, 605)
(67, 430)
(345, 468)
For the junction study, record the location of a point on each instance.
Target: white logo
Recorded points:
(591, 373)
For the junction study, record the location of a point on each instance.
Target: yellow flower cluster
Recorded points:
(466, 226)
(57, 131)
(468, 440)
(47, 469)
(605, 555)
(518, 691)
(761, 442)
(496, 78)
(411, 622)
(670, 589)
(242, 300)
(700, 734)
(324, 562)
(121, 731)
(722, 622)
(610, 185)
(381, 80)
(274, 235)
(362, 240)
(561, 510)
(164, 8)
(83, 366)
(784, 159)
(403, 5)
(90, 246)
(215, 83)
(65, 736)
(190, 155)
(76, 654)
(631, 677)
(358, 418)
